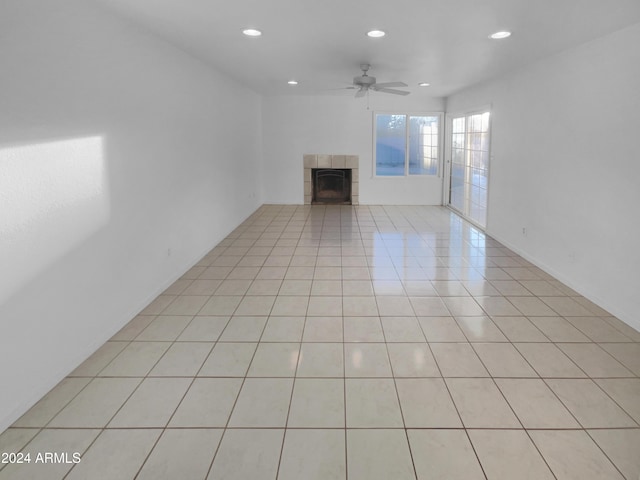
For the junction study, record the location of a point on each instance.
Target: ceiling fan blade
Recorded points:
(338, 89)
(391, 84)
(360, 93)
(390, 90)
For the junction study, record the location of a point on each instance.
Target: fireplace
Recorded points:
(331, 179)
(331, 185)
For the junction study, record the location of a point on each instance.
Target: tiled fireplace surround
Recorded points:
(331, 161)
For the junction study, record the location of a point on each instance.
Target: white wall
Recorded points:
(114, 148)
(295, 125)
(566, 166)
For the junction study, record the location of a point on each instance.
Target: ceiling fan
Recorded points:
(364, 83)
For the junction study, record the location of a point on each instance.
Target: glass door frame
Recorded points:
(448, 158)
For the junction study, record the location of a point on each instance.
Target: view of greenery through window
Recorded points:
(400, 152)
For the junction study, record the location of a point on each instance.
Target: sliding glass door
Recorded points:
(469, 167)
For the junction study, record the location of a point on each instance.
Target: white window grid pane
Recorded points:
(424, 162)
(427, 140)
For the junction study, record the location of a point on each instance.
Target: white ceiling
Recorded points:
(321, 43)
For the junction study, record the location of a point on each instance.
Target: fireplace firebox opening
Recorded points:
(331, 185)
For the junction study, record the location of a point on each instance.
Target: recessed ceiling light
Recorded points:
(499, 35)
(423, 84)
(251, 32)
(376, 33)
(292, 82)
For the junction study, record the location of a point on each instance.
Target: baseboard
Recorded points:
(114, 328)
(622, 315)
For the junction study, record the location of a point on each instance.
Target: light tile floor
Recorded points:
(351, 342)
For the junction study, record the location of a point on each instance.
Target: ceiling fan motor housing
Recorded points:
(364, 80)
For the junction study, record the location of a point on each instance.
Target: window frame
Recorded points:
(408, 115)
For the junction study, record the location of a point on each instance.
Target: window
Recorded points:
(406, 144)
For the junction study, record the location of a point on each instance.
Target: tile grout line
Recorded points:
(244, 378)
(495, 384)
(395, 385)
(446, 385)
(293, 386)
(405, 224)
(193, 379)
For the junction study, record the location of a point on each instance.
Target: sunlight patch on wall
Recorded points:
(53, 196)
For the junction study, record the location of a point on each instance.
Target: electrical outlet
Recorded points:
(524, 231)
(169, 252)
